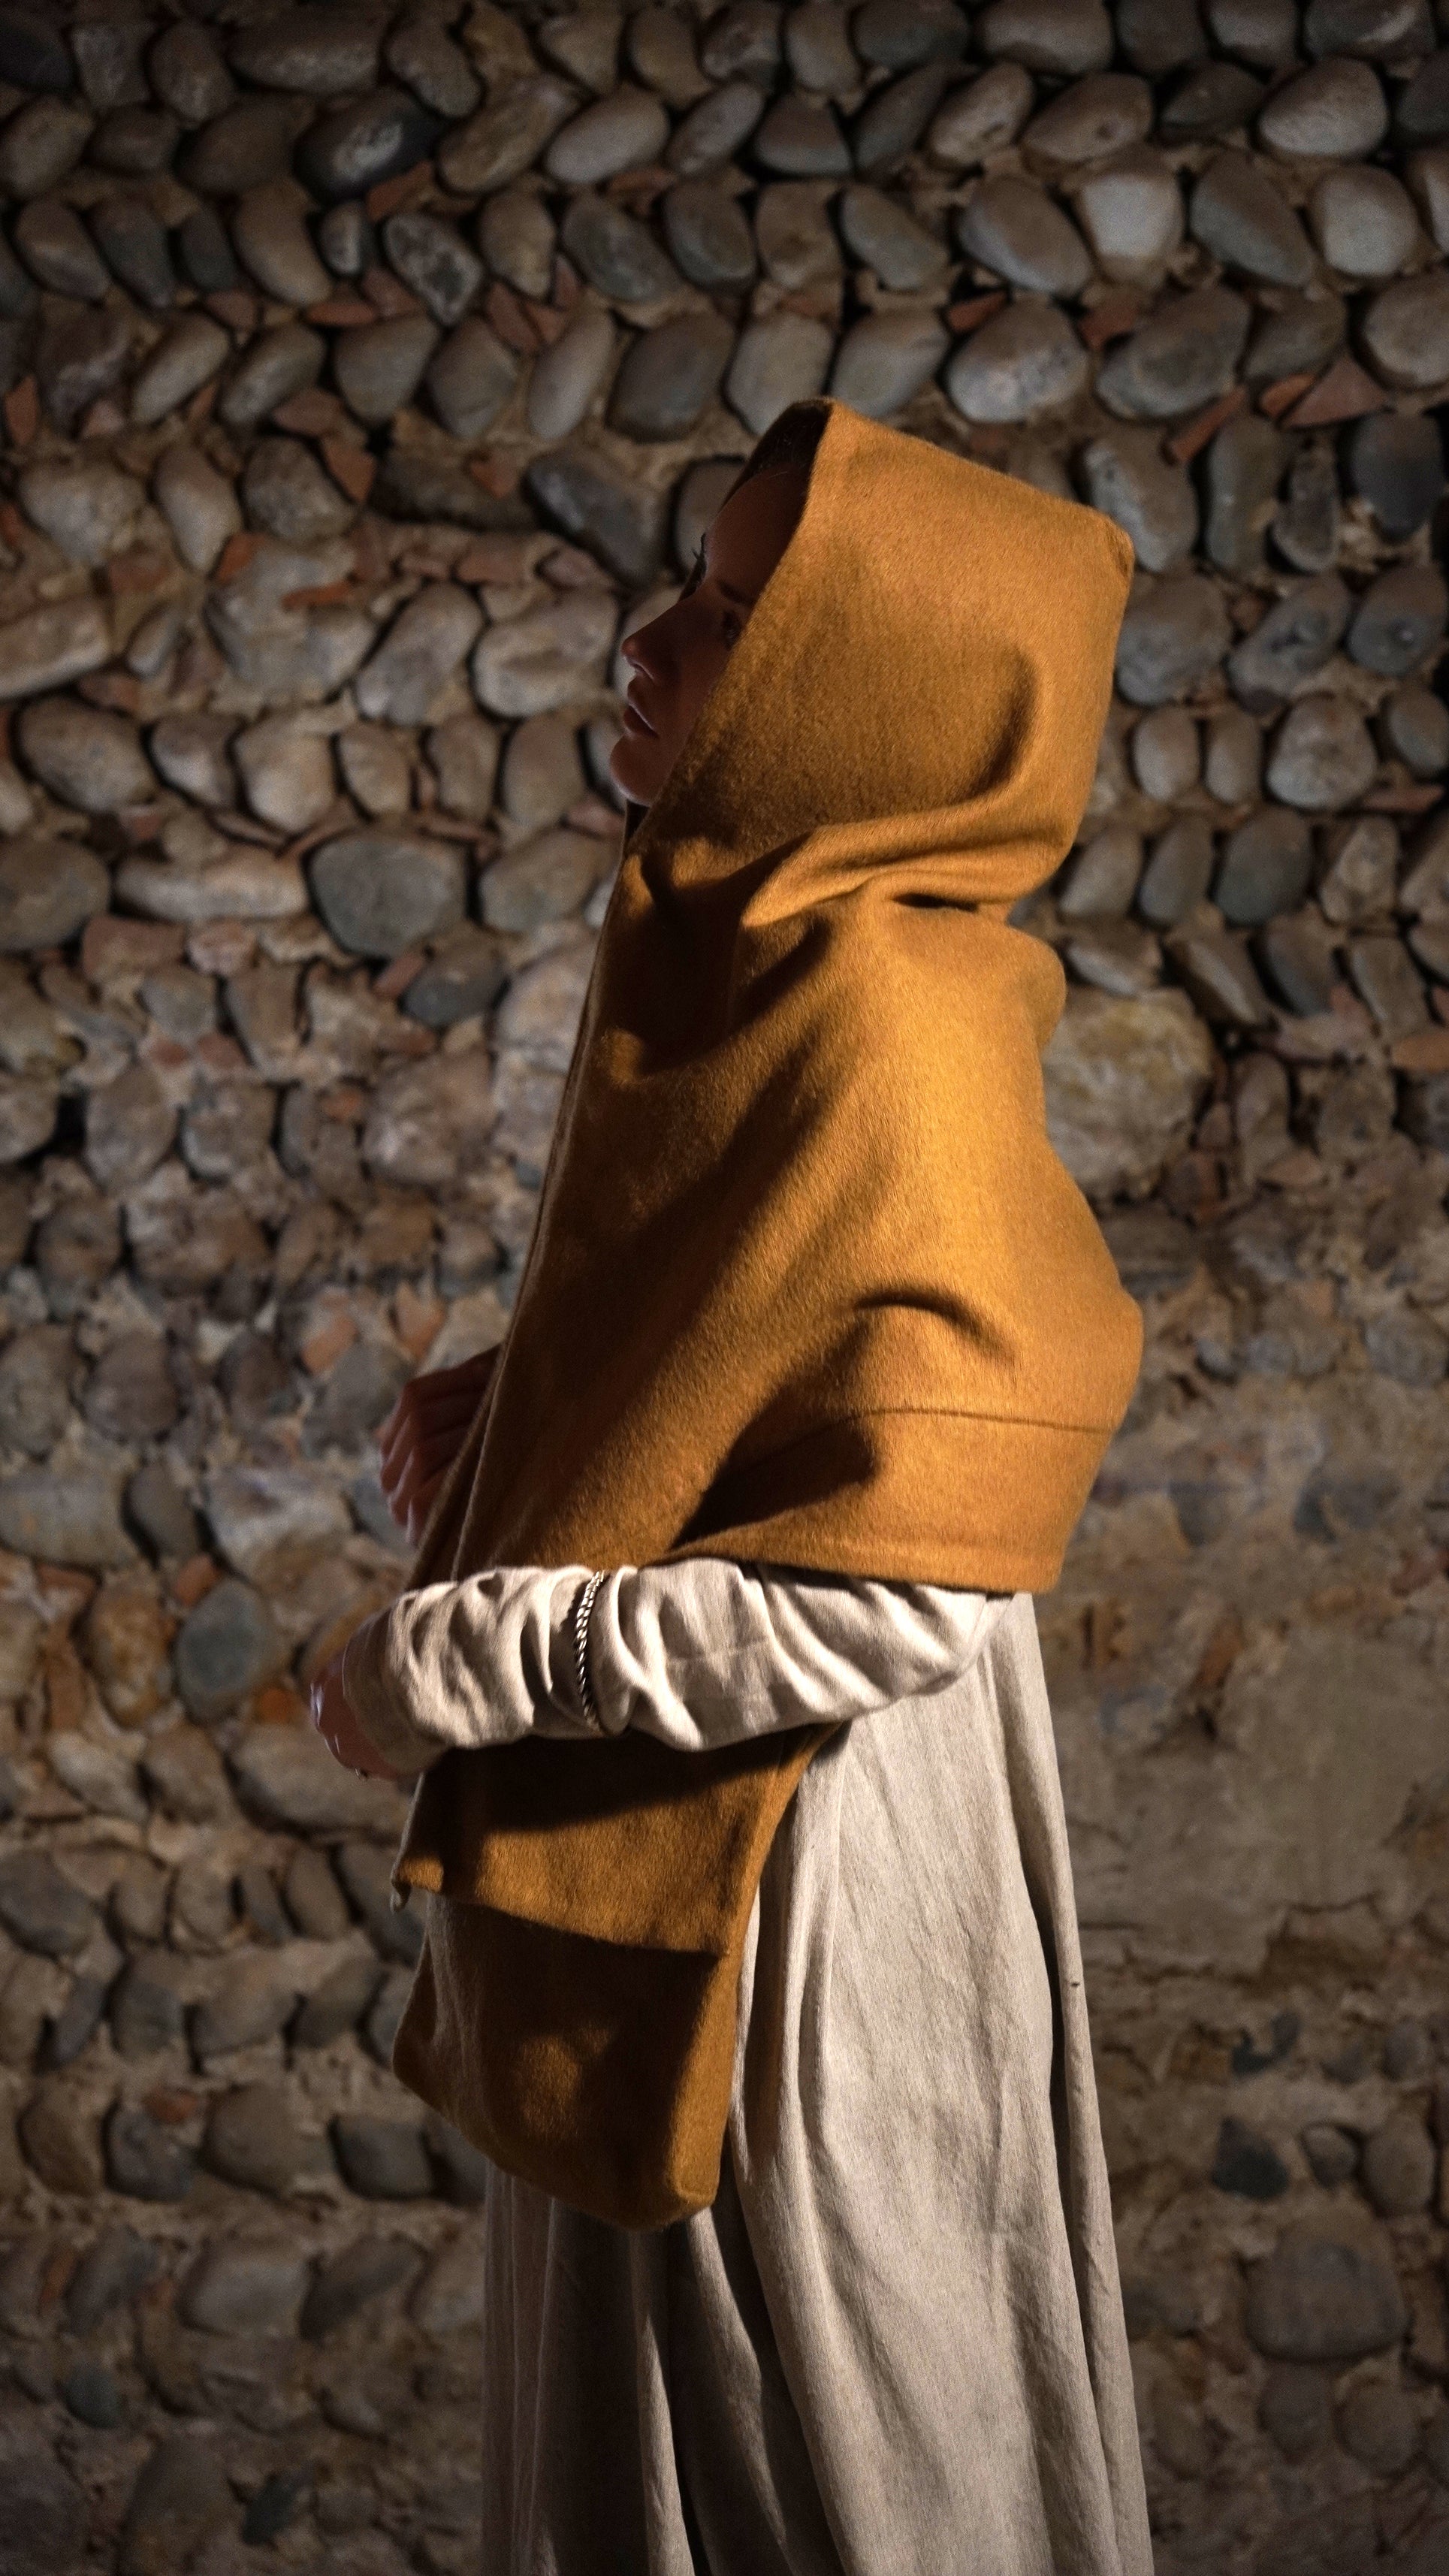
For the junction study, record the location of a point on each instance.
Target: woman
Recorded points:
(810, 1369)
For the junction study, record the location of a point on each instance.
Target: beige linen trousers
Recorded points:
(894, 2344)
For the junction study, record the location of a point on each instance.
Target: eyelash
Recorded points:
(695, 577)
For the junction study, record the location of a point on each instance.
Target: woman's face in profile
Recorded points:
(678, 657)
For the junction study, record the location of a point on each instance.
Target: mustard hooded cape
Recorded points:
(807, 1283)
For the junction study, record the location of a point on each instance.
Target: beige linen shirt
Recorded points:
(893, 2345)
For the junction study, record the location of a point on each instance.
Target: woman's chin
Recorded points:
(634, 767)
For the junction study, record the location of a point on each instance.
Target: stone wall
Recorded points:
(367, 375)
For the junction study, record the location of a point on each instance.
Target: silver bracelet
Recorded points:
(581, 1643)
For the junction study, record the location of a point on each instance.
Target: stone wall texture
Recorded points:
(367, 373)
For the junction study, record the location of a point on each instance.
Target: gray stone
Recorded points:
(1130, 211)
(1294, 2410)
(1306, 528)
(419, 655)
(433, 259)
(1384, 977)
(797, 242)
(1317, 2298)
(287, 1774)
(92, 2394)
(246, 2284)
(145, 2160)
(462, 979)
(191, 353)
(1400, 2165)
(35, 1374)
(1243, 220)
(428, 1121)
(1025, 361)
(47, 2516)
(349, 2281)
(33, 53)
(614, 252)
(1298, 953)
(379, 367)
(669, 374)
(227, 1647)
(252, 2138)
(204, 251)
(1415, 725)
(40, 1908)
(362, 1388)
(546, 658)
(322, 51)
(1245, 463)
(1017, 230)
(622, 526)
(276, 365)
(1396, 464)
(885, 238)
(500, 142)
(42, 650)
(1262, 32)
(1125, 474)
(1405, 331)
(1399, 620)
(59, 252)
(567, 376)
(1174, 633)
(891, 124)
(135, 142)
(1103, 876)
(1117, 957)
(544, 879)
(199, 504)
(132, 242)
(1178, 872)
(180, 2498)
(346, 239)
(1183, 357)
(1377, 2426)
(355, 148)
(1335, 112)
(1100, 116)
(287, 772)
(108, 2276)
(1064, 37)
(269, 230)
(48, 890)
(422, 55)
(129, 1125)
(1323, 757)
(1295, 639)
(68, 1519)
(517, 238)
(86, 757)
(1214, 99)
(1412, 1349)
(449, 2295)
(1266, 866)
(542, 773)
(185, 1770)
(1124, 1081)
(620, 132)
(80, 357)
(270, 1522)
(1363, 222)
(1360, 868)
(1421, 113)
(40, 145)
(798, 138)
(778, 361)
(382, 2159)
(1374, 28)
(86, 509)
(253, 1998)
(470, 377)
(337, 2004)
(1248, 2164)
(983, 117)
(146, 2009)
(381, 892)
(188, 74)
(1332, 2153)
(1220, 976)
(364, 1869)
(885, 360)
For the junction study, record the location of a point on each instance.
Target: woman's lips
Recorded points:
(632, 715)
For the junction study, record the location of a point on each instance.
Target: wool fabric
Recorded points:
(807, 1284)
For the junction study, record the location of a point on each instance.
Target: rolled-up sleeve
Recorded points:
(699, 1653)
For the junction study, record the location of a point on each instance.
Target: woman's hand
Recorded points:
(335, 1722)
(423, 1434)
